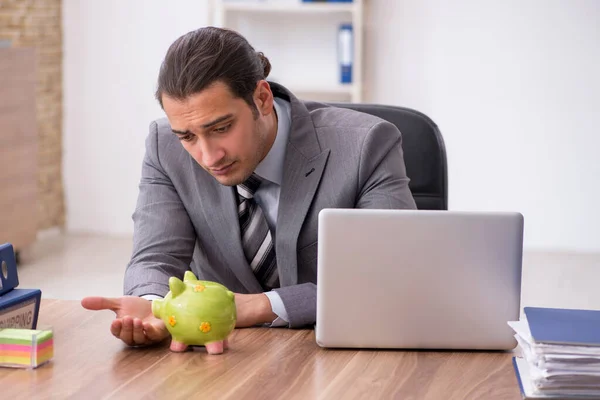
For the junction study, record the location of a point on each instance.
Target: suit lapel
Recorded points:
(300, 182)
(219, 206)
(303, 168)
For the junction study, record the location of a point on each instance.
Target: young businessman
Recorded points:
(233, 181)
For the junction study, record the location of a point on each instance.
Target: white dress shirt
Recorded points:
(267, 195)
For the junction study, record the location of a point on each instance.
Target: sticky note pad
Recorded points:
(25, 348)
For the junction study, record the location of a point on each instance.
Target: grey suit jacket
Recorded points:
(185, 219)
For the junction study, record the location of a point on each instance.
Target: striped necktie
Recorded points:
(256, 236)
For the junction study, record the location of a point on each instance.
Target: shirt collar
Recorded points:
(271, 167)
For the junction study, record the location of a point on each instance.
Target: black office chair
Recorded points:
(424, 152)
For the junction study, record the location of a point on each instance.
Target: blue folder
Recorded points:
(20, 308)
(8, 269)
(564, 326)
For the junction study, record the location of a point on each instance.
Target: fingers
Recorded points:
(139, 337)
(123, 328)
(115, 328)
(135, 332)
(127, 331)
(101, 303)
(155, 330)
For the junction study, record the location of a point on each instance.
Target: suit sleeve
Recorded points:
(300, 302)
(382, 184)
(164, 237)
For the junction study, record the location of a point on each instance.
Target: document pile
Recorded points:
(560, 353)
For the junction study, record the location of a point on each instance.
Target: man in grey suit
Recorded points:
(233, 181)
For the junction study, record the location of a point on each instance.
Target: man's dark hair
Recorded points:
(208, 55)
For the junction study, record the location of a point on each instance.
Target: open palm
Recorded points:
(134, 324)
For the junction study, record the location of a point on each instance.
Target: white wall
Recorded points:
(112, 54)
(515, 89)
(513, 86)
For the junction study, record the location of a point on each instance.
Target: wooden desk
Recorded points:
(261, 363)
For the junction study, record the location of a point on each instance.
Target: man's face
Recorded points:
(221, 132)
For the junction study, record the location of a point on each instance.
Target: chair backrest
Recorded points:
(424, 152)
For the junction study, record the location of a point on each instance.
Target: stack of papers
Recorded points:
(560, 353)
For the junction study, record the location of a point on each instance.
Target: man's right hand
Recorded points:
(135, 324)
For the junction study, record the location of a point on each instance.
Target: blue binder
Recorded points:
(8, 269)
(20, 308)
(564, 326)
(345, 52)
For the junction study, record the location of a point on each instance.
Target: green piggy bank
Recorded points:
(197, 313)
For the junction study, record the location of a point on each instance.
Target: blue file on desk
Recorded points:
(564, 326)
(560, 353)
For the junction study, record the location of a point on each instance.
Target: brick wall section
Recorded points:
(37, 23)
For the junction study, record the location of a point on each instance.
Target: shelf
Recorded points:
(281, 6)
(227, 13)
(326, 93)
(347, 89)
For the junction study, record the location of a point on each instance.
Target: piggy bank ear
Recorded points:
(189, 277)
(176, 285)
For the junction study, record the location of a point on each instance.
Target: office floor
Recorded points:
(74, 266)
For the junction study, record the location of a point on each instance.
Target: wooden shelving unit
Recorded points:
(286, 6)
(223, 10)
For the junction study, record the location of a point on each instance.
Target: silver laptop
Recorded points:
(409, 279)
